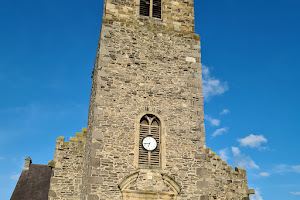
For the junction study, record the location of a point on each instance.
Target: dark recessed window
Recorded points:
(150, 8)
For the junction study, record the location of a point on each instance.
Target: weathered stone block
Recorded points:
(204, 197)
(95, 162)
(93, 197)
(202, 184)
(200, 156)
(52, 194)
(201, 171)
(95, 180)
(97, 134)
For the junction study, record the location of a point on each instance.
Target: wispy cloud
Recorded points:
(224, 154)
(284, 168)
(252, 141)
(296, 168)
(224, 112)
(211, 85)
(235, 151)
(212, 121)
(219, 131)
(2, 158)
(295, 193)
(242, 160)
(257, 195)
(264, 174)
(15, 177)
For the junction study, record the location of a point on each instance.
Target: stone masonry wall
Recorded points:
(147, 69)
(141, 67)
(176, 14)
(216, 180)
(66, 181)
(151, 66)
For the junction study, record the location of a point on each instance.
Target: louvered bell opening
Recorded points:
(145, 7)
(155, 155)
(143, 153)
(156, 9)
(146, 158)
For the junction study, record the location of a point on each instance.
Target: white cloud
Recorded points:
(224, 154)
(296, 168)
(236, 151)
(295, 193)
(264, 174)
(211, 85)
(252, 140)
(213, 121)
(219, 131)
(224, 112)
(241, 160)
(257, 195)
(15, 177)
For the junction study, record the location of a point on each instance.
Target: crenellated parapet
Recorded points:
(66, 181)
(216, 173)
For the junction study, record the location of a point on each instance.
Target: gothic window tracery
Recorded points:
(149, 126)
(150, 8)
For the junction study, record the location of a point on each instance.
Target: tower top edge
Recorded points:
(175, 14)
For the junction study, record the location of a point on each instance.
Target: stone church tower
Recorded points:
(145, 137)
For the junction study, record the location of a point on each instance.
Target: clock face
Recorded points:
(149, 143)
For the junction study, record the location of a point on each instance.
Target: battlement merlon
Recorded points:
(238, 174)
(67, 167)
(62, 148)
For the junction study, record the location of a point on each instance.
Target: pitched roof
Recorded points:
(33, 184)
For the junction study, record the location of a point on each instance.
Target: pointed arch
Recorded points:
(149, 124)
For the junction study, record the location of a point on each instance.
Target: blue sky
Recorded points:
(250, 56)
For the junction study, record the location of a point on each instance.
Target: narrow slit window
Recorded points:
(156, 12)
(149, 128)
(150, 8)
(145, 7)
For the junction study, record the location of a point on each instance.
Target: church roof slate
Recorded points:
(33, 184)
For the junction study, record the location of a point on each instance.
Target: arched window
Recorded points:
(150, 8)
(149, 148)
